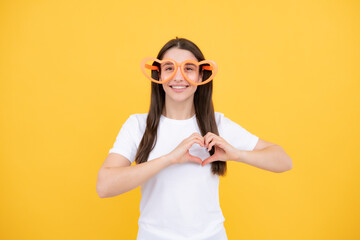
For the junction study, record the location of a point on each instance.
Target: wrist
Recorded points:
(241, 155)
(167, 158)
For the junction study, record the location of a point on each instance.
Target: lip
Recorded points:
(179, 85)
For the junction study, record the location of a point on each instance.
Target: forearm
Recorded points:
(272, 158)
(117, 180)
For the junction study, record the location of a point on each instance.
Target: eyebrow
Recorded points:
(166, 64)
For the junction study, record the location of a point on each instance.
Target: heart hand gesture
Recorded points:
(181, 153)
(223, 150)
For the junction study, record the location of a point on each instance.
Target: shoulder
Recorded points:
(137, 121)
(139, 117)
(235, 134)
(224, 123)
(219, 117)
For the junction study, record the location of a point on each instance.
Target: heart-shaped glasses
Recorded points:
(196, 73)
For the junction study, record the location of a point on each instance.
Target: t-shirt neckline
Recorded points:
(176, 121)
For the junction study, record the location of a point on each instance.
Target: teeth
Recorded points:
(179, 87)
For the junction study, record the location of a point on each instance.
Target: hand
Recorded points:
(181, 153)
(223, 150)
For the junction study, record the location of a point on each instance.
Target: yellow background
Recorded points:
(70, 77)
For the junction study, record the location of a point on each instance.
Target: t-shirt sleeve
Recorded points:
(125, 143)
(236, 135)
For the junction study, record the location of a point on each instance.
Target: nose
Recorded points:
(178, 75)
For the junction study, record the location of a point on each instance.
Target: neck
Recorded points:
(179, 111)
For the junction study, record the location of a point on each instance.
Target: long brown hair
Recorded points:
(204, 108)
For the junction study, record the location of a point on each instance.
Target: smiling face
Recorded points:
(178, 89)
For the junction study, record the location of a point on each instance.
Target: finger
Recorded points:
(208, 134)
(216, 142)
(211, 145)
(194, 140)
(200, 138)
(209, 139)
(209, 160)
(194, 159)
(195, 134)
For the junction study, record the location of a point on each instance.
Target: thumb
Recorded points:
(194, 159)
(209, 160)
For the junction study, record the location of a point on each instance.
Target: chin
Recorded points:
(182, 97)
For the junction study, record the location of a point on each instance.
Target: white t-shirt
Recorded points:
(182, 200)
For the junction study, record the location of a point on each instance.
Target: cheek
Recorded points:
(165, 87)
(193, 89)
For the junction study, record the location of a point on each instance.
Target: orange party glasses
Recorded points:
(193, 71)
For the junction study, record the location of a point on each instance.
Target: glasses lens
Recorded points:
(191, 71)
(167, 70)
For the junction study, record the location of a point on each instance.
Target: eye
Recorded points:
(167, 67)
(190, 68)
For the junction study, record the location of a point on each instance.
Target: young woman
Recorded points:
(180, 148)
